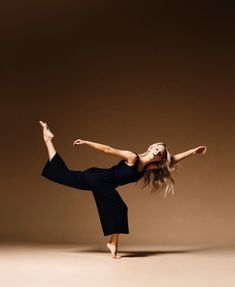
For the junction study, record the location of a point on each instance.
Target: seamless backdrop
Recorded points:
(126, 74)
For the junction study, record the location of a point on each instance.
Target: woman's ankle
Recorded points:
(113, 243)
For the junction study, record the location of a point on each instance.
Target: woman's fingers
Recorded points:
(78, 141)
(205, 148)
(201, 149)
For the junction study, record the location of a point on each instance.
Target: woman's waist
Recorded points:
(98, 176)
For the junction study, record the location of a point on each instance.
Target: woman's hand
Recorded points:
(200, 149)
(79, 141)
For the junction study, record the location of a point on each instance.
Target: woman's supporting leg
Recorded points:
(113, 245)
(113, 213)
(48, 136)
(114, 238)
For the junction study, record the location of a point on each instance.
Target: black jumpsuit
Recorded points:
(102, 182)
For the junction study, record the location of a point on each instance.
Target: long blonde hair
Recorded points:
(161, 177)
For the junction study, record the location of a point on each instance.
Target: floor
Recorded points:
(34, 265)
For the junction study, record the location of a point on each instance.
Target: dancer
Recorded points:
(154, 166)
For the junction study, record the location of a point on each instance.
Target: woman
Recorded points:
(155, 165)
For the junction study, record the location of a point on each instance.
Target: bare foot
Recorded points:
(113, 249)
(47, 134)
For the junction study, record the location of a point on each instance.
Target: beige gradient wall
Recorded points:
(125, 75)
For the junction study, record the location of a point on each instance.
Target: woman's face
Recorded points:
(157, 151)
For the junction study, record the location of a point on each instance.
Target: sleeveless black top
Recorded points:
(125, 173)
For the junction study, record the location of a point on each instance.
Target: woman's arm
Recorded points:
(177, 157)
(125, 154)
(98, 146)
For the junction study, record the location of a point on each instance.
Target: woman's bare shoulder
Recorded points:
(132, 158)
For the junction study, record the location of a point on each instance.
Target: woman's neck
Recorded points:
(145, 158)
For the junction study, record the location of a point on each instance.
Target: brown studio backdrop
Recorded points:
(128, 84)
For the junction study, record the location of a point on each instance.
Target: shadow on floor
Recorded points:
(147, 253)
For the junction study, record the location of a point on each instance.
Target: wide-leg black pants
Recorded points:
(112, 210)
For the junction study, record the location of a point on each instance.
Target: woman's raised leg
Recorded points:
(48, 137)
(56, 170)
